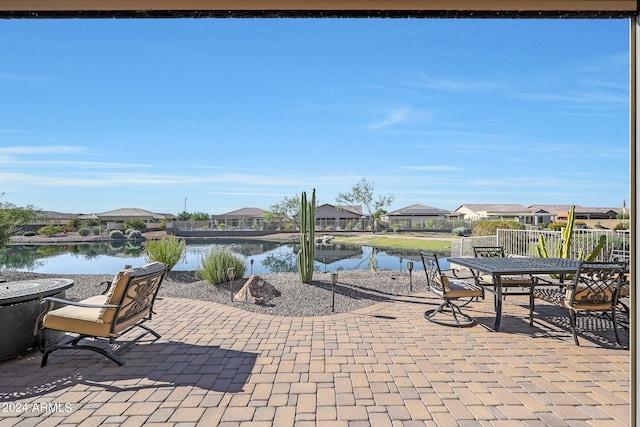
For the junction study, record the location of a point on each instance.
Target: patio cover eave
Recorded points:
(33, 9)
(319, 8)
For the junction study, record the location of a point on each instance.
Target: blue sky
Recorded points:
(98, 115)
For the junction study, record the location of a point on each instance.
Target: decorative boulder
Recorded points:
(256, 291)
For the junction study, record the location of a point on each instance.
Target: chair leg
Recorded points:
(73, 345)
(574, 329)
(615, 324)
(531, 306)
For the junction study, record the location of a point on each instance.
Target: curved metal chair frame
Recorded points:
(127, 303)
(450, 290)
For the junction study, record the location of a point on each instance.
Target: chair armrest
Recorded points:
(456, 273)
(107, 285)
(79, 304)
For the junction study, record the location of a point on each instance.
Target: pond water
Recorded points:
(261, 257)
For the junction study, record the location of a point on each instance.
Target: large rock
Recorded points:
(257, 291)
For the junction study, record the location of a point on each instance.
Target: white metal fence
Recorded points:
(523, 242)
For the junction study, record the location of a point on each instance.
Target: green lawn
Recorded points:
(439, 244)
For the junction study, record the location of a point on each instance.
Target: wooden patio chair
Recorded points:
(450, 290)
(125, 304)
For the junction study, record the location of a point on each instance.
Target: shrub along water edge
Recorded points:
(213, 266)
(168, 250)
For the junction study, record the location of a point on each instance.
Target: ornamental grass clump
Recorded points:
(168, 250)
(213, 266)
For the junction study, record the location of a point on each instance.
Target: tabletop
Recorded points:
(518, 265)
(27, 290)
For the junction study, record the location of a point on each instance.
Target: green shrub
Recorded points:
(29, 233)
(50, 230)
(213, 266)
(489, 227)
(168, 250)
(460, 231)
(116, 235)
(621, 226)
(84, 231)
(557, 226)
(136, 224)
(135, 234)
(95, 230)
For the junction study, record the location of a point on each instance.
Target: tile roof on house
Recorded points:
(495, 207)
(552, 209)
(419, 210)
(244, 212)
(56, 215)
(129, 212)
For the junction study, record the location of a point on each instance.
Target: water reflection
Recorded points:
(261, 257)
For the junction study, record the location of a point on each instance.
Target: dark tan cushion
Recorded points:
(586, 299)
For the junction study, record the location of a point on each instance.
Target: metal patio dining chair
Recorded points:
(511, 285)
(594, 290)
(450, 290)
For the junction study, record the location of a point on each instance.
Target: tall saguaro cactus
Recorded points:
(307, 237)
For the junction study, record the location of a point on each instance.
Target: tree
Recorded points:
(362, 194)
(11, 217)
(199, 216)
(183, 216)
(287, 210)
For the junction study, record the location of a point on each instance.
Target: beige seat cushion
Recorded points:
(79, 320)
(506, 281)
(460, 289)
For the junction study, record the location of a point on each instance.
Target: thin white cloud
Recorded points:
(14, 163)
(451, 85)
(434, 168)
(401, 115)
(393, 117)
(43, 149)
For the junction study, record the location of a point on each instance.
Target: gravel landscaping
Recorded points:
(354, 289)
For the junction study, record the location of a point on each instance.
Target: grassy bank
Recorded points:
(439, 243)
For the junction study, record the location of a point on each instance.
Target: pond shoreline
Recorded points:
(70, 238)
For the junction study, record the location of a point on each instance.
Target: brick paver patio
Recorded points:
(381, 366)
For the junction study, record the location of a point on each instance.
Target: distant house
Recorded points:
(43, 218)
(506, 212)
(561, 212)
(52, 218)
(115, 219)
(330, 217)
(242, 218)
(418, 216)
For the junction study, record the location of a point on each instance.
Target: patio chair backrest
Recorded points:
(488, 252)
(435, 278)
(596, 286)
(620, 255)
(134, 292)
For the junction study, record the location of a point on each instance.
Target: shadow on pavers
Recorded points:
(155, 366)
